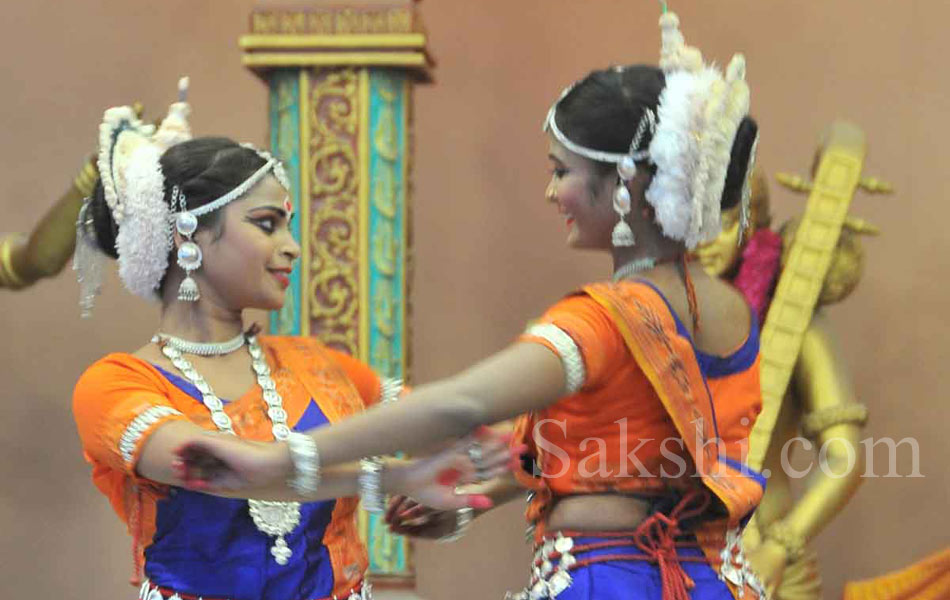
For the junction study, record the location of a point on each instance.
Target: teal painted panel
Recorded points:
(285, 145)
(387, 274)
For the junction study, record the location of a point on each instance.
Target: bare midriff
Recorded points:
(597, 512)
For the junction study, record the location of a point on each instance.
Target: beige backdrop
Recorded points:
(490, 252)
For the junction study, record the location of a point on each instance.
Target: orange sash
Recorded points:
(669, 362)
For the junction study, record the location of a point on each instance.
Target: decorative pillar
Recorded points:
(340, 80)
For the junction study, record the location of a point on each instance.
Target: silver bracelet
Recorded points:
(463, 520)
(306, 460)
(370, 485)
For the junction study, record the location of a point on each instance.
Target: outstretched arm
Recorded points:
(432, 479)
(521, 378)
(406, 516)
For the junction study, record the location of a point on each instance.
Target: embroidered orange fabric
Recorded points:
(645, 421)
(620, 405)
(118, 388)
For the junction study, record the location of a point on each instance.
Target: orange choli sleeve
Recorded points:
(117, 403)
(372, 388)
(587, 323)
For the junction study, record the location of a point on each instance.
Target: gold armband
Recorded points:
(87, 179)
(8, 277)
(820, 420)
(782, 534)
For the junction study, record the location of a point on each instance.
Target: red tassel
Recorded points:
(656, 537)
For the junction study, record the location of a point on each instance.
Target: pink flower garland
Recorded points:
(761, 262)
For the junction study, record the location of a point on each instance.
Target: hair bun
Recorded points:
(739, 162)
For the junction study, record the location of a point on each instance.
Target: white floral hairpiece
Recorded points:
(699, 114)
(693, 130)
(134, 188)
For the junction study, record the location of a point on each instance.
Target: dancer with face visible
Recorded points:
(203, 226)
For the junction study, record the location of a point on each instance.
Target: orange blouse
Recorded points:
(120, 400)
(643, 420)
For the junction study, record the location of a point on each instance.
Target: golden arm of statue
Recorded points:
(45, 251)
(833, 419)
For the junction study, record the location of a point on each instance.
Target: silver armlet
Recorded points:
(306, 460)
(132, 435)
(574, 371)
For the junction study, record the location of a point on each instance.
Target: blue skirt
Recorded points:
(615, 578)
(637, 579)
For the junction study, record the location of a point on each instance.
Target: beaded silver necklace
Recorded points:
(276, 519)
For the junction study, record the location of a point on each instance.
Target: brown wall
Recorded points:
(490, 252)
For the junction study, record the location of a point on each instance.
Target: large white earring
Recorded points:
(626, 171)
(189, 254)
(622, 235)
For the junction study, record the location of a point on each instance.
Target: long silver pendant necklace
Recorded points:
(275, 519)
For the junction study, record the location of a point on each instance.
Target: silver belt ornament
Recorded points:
(147, 592)
(548, 579)
(735, 567)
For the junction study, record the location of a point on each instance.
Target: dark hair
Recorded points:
(604, 109)
(204, 169)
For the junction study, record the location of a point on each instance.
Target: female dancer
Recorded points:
(638, 394)
(222, 210)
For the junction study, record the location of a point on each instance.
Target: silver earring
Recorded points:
(622, 235)
(626, 170)
(189, 254)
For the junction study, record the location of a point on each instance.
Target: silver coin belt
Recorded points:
(276, 519)
(547, 578)
(735, 568)
(153, 592)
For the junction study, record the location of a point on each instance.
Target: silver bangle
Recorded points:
(306, 460)
(370, 485)
(463, 520)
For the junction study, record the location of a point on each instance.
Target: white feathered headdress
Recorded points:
(134, 188)
(697, 119)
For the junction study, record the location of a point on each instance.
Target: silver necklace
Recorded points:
(276, 519)
(200, 348)
(633, 267)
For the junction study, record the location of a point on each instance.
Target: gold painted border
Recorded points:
(335, 59)
(364, 258)
(350, 41)
(306, 201)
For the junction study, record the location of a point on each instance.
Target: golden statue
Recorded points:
(817, 402)
(25, 259)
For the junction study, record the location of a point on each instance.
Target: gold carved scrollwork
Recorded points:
(333, 21)
(334, 174)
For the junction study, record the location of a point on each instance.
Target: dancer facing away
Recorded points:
(637, 395)
(222, 211)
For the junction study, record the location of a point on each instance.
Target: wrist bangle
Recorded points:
(306, 460)
(370, 484)
(782, 534)
(87, 179)
(463, 520)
